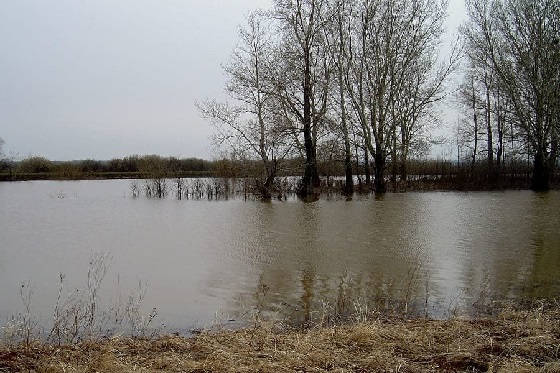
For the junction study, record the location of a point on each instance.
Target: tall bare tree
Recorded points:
(421, 88)
(304, 76)
(392, 51)
(340, 35)
(469, 127)
(518, 41)
(248, 124)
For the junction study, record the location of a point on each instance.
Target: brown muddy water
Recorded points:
(203, 261)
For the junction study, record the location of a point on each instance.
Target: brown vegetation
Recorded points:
(39, 168)
(513, 341)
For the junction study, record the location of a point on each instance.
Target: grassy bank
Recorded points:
(512, 341)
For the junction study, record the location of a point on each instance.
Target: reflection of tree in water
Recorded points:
(316, 272)
(543, 280)
(332, 257)
(327, 261)
(307, 298)
(307, 283)
(512, 247)
(530, 270)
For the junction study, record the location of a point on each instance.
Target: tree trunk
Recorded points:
(500, 124)
(358, 168)
(475, 119)
(553, 158)
(267, 187)
(403, 166)
(310, 183)
(380, 186)
(500, 151)
(366, 168)
(349, 183)
(394, 165)
(379, 159)
(489, 142)
(404, 175)
(539, 181)
(403, 169)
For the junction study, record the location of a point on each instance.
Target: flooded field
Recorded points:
(199, 262)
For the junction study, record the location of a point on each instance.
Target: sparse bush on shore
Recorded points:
(514, 341)
(78, 314)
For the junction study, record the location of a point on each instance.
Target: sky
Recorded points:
(101, 79)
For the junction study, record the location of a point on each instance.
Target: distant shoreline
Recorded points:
(5, 176)
(416, 182)
(421, 175)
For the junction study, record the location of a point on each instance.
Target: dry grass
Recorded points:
(523, 341)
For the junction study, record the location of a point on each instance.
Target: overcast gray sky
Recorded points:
(108, 78)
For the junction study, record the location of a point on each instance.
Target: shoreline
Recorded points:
(6, 177)
(416, 184)
(511, 341)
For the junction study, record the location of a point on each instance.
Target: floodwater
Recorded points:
(204, 261)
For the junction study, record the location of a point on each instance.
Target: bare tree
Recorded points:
(487, 117)
(392, 51)
(422, 86)
(499, 109)
(303, 78)
(340, 35)
(518, 41)
(469, 126)
(248, 124)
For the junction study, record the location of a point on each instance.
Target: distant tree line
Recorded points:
(132, 166)
(147, 166)
(357, 82)
(423, 174)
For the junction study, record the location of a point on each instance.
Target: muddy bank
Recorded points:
(512, 341)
